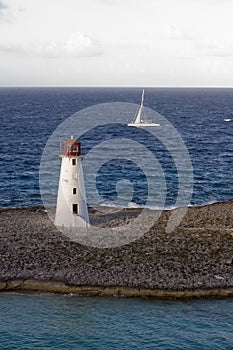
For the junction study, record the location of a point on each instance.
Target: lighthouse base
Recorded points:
(76, 222)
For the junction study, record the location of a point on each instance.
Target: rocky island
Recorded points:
(195, 260)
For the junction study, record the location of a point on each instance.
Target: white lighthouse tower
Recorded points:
(71, 210)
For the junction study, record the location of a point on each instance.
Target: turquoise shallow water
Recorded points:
(74, 322)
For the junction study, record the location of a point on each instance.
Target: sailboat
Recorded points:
(138, 121)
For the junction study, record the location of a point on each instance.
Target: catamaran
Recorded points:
(138, 121)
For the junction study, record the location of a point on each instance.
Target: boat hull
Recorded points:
(142, 125)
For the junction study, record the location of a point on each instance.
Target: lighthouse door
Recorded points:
(75, 209)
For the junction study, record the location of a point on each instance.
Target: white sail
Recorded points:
(139, 112)
(138, 122)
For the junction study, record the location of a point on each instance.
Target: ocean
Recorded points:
(202, 122)
(75, 322)
(202, 117)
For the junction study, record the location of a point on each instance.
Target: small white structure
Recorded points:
(71, 210)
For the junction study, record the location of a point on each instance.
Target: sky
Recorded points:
(157, 43)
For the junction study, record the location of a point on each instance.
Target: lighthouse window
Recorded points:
(73, 161)
(74, 190)
(75, 208)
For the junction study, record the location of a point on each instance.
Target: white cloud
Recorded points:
(175, 32)
(223, 51)
(4, 12)
(108, 2)
(77, 45)
(155, 42)
(215, 47)
(3, 6)
(213, 2)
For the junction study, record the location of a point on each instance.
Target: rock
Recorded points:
(2, 286)
(34, 255)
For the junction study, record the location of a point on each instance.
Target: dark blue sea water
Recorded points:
(28, 116)
(204, 119)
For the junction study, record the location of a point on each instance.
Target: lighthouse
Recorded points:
(71, 210)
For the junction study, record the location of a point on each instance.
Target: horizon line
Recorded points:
(117, 86)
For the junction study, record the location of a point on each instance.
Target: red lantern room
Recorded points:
(70, 148)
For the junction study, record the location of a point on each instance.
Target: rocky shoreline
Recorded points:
(195, 260)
